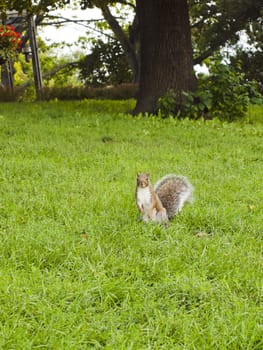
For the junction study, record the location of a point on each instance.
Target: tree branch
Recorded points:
(68, 65)
(67, 20)
(127, 3)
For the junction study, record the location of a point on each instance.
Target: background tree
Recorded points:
(250, 62)
(126, 35)
(158, 37)
(105, 65)
(217, 23)
(249, 57)
(213, 25)
(32, 7)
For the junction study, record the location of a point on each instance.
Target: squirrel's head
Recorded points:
(143, 180)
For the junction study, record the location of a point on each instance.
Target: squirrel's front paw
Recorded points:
(145, 218)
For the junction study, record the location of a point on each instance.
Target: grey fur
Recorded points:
(174, 191)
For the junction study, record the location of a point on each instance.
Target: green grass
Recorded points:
(78, 270)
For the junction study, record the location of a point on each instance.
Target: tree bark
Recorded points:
(166, 51)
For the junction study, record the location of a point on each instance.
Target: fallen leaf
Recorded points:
(202, 234)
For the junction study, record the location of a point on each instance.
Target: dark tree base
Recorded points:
(166, 51)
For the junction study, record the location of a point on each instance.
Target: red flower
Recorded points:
(9, 42)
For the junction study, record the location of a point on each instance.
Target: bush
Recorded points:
(70, 93)
(7, 95)
(224, 94)
(120, 92)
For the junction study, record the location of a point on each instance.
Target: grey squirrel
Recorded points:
(165, 199)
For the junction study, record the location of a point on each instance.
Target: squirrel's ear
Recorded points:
(138, 174)
(147, 174)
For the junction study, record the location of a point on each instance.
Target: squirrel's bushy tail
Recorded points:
(174, 191)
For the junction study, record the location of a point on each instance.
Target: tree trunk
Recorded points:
(166, 51)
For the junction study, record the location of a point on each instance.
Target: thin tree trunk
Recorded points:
(123, 39)
(166, 51)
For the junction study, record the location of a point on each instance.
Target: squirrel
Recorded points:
(148, 201)
(165, 199)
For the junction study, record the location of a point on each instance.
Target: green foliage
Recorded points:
(32, 7)
(50, 60)
(97, 3)
(250, 62)
(217, 23)
(168, 103)
(80, 271)
(106, 65)
(223, 94)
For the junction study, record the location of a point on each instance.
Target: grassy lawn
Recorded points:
(78, 270)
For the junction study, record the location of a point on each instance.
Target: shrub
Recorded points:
(7, 95)
(120, 92)
(70, 93)
(224, 94)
